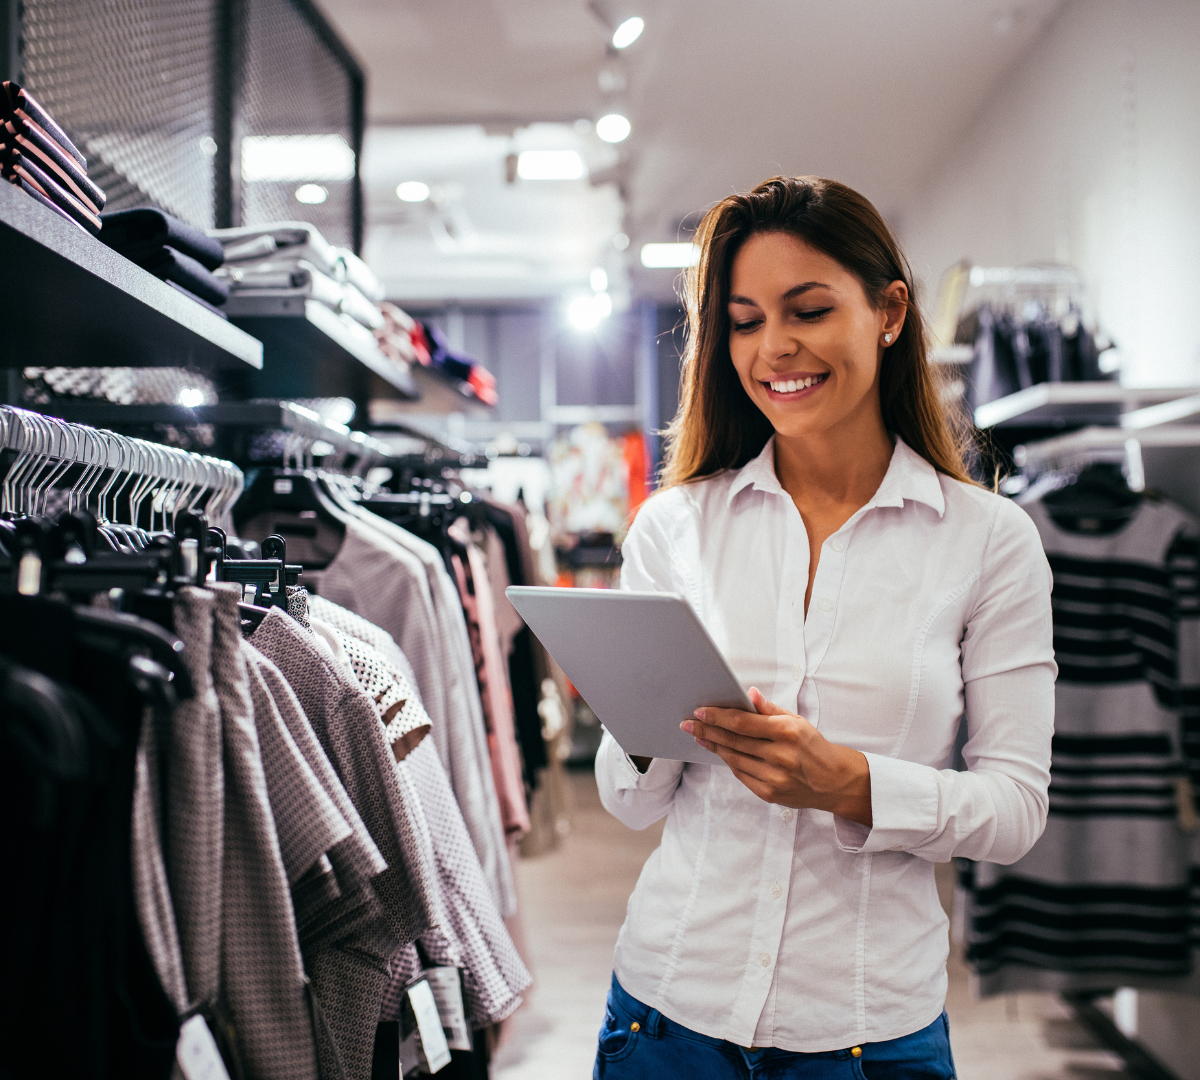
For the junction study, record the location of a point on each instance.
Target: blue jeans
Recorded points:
(662, 1048)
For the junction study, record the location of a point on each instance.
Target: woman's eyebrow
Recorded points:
(794, 291)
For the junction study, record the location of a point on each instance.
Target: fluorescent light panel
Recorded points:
(296, 157)
(550, 165)
(669, 256)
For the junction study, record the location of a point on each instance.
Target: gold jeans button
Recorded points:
(635, 1026)
(856, 1051)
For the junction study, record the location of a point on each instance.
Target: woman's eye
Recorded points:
(813, 313)
(743, 327)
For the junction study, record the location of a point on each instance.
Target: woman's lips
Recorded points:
(794, 387)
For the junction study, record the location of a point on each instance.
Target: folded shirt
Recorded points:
(186, 272)
(144, 232)
(299, 239)
(34, 193)
(19, 105)
(20, 170)
(30, 140)
(360, 275)
(299, 277)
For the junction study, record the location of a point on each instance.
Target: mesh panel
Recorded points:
(293, 84)
(131, 83)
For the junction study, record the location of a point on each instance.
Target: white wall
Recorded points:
(1088, 152)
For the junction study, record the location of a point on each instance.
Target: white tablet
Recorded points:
(642, 661)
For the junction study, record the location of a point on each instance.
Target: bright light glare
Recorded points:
(620, 241)
(599, 279)
(296, 157)
(628, 32)
(613, 128)
(587, 312)
(311, 194)
(549, 165)
(412, 191)
(669, 256)
(190, 397)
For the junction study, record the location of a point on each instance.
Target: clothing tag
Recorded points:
(283, 486)
(447, 992)
(197, 1053)
(429, 1025)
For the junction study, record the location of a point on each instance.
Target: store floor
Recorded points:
(573, 903)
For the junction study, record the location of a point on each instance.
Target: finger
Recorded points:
(756, 786)
(752, 766)
(743, 723)
(723, 737)
(765, 707)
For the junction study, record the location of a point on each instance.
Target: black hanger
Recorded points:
(293, 503)
(1099, 500)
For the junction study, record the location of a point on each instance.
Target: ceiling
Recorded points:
(720, 96)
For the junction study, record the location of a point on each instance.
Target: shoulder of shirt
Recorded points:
(667, 512)
(998, 514)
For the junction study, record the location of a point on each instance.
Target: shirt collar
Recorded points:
(909, 476)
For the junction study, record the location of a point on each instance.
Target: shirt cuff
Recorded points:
(661, 772)
(904, 808)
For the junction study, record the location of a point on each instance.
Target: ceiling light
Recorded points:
(599, 279)
(669, 256)
(586, 312)
(620, 241)
(613, 128)
(550, 165)
(296, 157)
(412, 191)
(311, 194)
(628, 32)
(190, 397)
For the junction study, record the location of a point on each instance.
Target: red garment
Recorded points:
(492, 672)
(635, 469)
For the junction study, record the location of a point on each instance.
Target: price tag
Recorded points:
(447, 992)
(429, 1025)
(197, 1053)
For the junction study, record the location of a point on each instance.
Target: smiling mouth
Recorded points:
(787, 387)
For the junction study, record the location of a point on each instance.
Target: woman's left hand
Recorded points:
(783, 759)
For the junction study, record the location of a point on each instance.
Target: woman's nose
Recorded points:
(777, 340)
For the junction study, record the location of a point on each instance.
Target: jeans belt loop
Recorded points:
(654, 1023)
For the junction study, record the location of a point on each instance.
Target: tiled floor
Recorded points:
(573, 903)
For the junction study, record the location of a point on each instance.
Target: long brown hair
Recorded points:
(718, 426)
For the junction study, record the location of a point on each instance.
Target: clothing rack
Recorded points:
(308, 429)
(48, 448)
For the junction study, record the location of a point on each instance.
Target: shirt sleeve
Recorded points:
(997, 809)
(639, 799)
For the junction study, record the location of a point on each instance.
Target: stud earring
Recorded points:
(887, 339)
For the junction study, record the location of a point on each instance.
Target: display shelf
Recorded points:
(311, 351)
(437, 395)
(73, 302)
(1072, 404)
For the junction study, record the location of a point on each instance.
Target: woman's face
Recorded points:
(804, 338)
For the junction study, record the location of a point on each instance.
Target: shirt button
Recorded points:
(836, 545)
(776, 891)
(785, 815)
(797, 672)
(764, 959)
(826, 605)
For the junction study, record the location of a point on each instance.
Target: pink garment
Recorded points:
(492, 671)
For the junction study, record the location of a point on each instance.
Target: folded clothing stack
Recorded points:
(292, 258)
(37, 156)
(170, 249)
(472, 377)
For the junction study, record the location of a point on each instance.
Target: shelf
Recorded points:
(437, 396)
(311, 351)
(74, 302)
(1072, 404)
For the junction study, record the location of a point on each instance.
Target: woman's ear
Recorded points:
(894, 309)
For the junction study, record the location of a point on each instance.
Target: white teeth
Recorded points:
(792, 385)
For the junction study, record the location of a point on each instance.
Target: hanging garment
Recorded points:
(1101, 900)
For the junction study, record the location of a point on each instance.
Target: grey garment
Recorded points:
(194, 780)
(344, 619)
(494, 975)
(351, 981)
(152, 894)
(263, 985)
(462, 740)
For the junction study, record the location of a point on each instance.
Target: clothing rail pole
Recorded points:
(312, 426)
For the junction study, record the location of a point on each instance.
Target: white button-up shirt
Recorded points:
(769, 926)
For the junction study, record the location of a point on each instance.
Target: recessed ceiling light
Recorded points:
(412, 191)
(311, 194)
(669, 256)
(296, 157)
(587, 312)
(613, 128)
(550, 165)
(628, 32)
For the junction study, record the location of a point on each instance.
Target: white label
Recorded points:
(197, 1053)
(447, 992)
(429, 1024)
(283, 486)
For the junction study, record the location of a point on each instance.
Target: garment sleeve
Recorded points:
(639, 799)
(996, 810)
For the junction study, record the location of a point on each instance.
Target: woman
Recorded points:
(819, 519)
